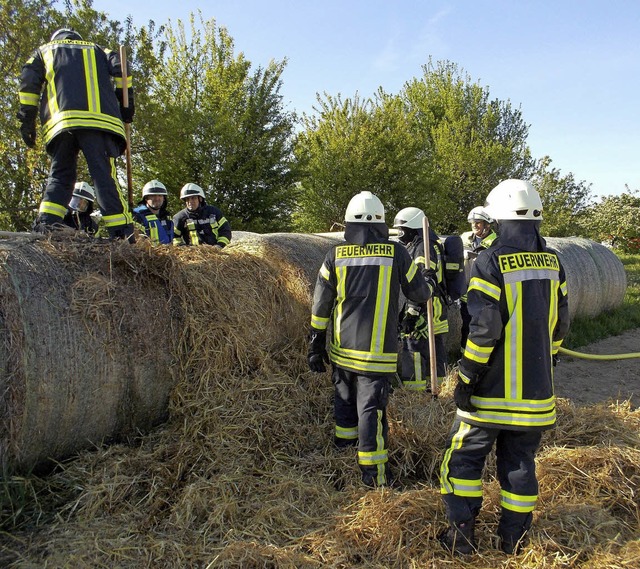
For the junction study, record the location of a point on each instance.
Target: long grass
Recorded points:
(614, 322)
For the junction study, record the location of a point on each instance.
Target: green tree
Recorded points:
(354, 145)
(476, 141)
(616, 219)
(208, 119)
(565, 201)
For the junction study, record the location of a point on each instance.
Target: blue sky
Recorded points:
(573, 67)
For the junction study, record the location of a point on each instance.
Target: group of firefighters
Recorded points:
(516, 316)
(514, 312)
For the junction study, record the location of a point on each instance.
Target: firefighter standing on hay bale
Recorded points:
(359, 285)
(73, 81)
(517, 300)
(478, 239)
(199, 223)
(413, 364)
(78, 214)
(152, 215)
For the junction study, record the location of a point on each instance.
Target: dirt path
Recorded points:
(591, 381)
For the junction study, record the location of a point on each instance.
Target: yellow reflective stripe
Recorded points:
(485, 287)
(52, 98)
(477, 353)
(348, 433)
(91, 80)
(527, 405)
(556, 346)
(153, 229)
(324, 272)
(517, 503)
(81, 119)
(341, 275)
(415, 385)
(413, 269)
(361, 354)
(511, 419)
(30, 99)
(53, 209)
(128, 217)
(469, 488)
(319, 322)
(119, 82)
(361, 365)
(381, 310)
(513, 344)
(457, 440)
(224, 240)
(417, 366)
(113, 220)
(563, 288)
(420, 260)
(193, 234)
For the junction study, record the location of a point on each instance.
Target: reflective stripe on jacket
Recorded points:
(520, 315)
(78, 84)
(204, 226)
(359, 286)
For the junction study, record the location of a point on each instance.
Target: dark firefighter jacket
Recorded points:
(471, 250)
(204, 226)
(158, 227)
(517, 299)
(359, 284)
(82, 88)
(416, 251)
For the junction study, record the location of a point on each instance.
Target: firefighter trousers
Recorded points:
(461, 474)
(360, 411)
(100, 150)
(414, 362)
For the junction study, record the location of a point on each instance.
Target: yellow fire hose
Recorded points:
(599, 356)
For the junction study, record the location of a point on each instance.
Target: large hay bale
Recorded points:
(82, 348)
(95, 335)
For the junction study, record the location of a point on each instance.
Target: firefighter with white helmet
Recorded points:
(80, 208)
(78, 88)
(358, 289)
(152, 215)
(414, 357)
(517, 299)
(478, 239)
(199, 223)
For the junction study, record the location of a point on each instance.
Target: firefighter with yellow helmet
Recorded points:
(199, 223)
(517, 299)
(78, 86)
(357, 290)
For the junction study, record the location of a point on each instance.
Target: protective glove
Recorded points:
(421, 330)
(317, 354)
(462, 396)
(27, 118)
(408, 324)
(127, 113)
(431, 277)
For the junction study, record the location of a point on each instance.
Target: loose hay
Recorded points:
(243, 474)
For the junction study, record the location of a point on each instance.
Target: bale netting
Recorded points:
(82, 356)
(596, 278)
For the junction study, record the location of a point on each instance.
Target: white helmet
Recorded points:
(85, 191)
(154, 188)
(65, 34)
(479, 214)
(364, 208)
(410, 217)
(191, 189)
(514, 199)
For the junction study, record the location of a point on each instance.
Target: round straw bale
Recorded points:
(83, 349)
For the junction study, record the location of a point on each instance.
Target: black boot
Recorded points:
(513, 531)
(513, 544)
(45, 223)
(459, 538)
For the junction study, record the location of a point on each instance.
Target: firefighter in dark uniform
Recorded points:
(358, 288)
(414, 368)
(517, 299)
(78, 214)
(478, 239)
(78, 86)
(199, 223)
(152, 215)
